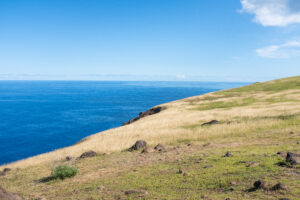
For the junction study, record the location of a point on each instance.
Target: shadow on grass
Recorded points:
(46, 179)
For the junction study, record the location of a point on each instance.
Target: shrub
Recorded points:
(64, 171)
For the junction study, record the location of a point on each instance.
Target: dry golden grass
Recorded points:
(172, 124)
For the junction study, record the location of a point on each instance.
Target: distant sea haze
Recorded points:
(41, 116)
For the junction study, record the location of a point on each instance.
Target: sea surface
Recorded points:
(41, 116)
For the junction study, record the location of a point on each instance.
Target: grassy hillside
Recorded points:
(254, 123)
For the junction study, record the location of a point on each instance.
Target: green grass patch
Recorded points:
(271, 86)
(227, 104)
(64, 171)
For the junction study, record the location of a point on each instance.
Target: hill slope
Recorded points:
(254, 123)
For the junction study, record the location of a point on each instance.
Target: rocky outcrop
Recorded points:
(151, 111)
(5, 195)
(210, 123)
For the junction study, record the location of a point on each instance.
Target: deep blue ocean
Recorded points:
(41, 116)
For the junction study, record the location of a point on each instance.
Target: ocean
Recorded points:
(41, 116)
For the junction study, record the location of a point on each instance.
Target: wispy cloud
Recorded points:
(273, 12)
(286, 50)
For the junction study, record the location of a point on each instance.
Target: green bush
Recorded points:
(64, 171)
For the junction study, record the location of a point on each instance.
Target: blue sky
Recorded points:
(215, 40)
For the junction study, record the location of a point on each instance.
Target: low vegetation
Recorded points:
(255, 126)
(64, 171)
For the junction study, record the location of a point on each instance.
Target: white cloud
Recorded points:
(286, 50)
(273, 12)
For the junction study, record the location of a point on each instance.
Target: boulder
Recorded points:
(160, 147)
(88, 154)
(140, 144)
(293, 158)
(5, 195)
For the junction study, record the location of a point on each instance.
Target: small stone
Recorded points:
(148, 150)
(253, 164)
(293, 158)
(279, 186)
(207, 166)
(88, 154)
(68, 158)
(284, 199)
(185, 174)
(227, 199)
(292, 133)
(207, 144)
(259, 184)
(129, 192)
(160, 147)
(180, 171)
(228, 154)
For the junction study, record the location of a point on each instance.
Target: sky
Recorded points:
(165, 40)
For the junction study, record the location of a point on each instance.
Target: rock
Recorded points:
(151, 111)
(279, 186)
(292, 133)
(88, 154)
(282, 154)
(259, 185)
(6, 170)
(293, 158)
(284, 199)
(180, 171)
(207, 144)
(228, 154)
(160, 147)
(140, 144)
(129, 192)
(185, 174)
(68, 158)
(148, 150)
(5, 195)
(227, 199)
(208, 166)
(210, 122)
(253, 164)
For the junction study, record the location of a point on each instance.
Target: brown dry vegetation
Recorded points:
(255, 123)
